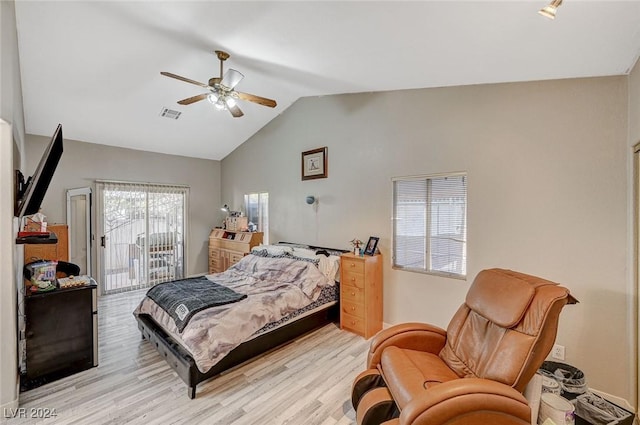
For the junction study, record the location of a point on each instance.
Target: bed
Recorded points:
(282, 292)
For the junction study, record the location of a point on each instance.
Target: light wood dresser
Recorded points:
(361, 294)
(57, 251)
(227, 247)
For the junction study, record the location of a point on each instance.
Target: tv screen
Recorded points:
(30, 194)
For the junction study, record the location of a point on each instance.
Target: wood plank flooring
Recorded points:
(307, 382)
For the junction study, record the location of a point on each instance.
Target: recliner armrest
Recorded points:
(479, 401)
(412, 336)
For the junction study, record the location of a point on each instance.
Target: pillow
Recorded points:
(329, 266)
(314, 261)
(273, 249)
(304, 252)
(327, 252)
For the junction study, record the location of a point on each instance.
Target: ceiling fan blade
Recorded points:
(193, 99)
(257, 99)
(231, 78)
(186, 80)
(235, 111)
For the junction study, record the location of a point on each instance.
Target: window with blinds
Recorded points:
(257, 207)
(430, 224)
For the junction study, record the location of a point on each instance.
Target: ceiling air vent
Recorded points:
(170, 113)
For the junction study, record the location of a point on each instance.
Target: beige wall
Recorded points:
(11, 148)
(634, 105)
(634, 139)
(547, 166)
(82, 163)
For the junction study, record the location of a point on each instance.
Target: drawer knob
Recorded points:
(353, 264)
(353, 293)
(353, 322)
(353, 309)
(353, 279)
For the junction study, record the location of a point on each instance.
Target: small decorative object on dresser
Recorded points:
(237, 224)
(361, 294)
(370, 249)
(227, 247)
(314, 164)
(355, 242)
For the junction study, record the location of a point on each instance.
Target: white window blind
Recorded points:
(257, 208)
(430, 224)
(143, 234)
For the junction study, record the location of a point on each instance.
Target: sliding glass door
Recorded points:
(141, 230)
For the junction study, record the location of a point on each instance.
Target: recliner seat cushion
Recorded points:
(409, 372)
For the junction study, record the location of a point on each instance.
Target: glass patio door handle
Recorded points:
(103, 241)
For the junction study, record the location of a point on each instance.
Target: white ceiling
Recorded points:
(95, 66)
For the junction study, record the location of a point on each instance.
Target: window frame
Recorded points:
(260, 224)
(428, 268)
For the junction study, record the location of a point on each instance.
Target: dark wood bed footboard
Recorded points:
(184, 365)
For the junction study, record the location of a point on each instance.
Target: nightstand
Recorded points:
(361, 294)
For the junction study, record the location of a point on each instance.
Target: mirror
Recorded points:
(79, 222)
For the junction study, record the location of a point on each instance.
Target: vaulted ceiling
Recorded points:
(94, 66)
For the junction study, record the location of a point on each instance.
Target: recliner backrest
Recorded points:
(506, 327)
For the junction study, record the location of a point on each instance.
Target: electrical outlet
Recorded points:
(557, 352)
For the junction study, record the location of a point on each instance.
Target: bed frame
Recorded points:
(184, 365)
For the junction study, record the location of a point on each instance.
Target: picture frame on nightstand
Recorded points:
(372, 245)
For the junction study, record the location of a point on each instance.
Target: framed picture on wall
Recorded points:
(370, 248)
(314, 164)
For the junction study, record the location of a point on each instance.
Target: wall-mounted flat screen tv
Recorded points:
(29, 194)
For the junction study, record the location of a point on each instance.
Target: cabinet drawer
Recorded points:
(235, 257)
(355, 266)
(351, 294)
(352, 309)
(354, 323)
(353, 279)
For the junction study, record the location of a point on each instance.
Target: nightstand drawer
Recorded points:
(355, 266)
(354, 323)
(351, 294)
(352, 309)
(353, 279)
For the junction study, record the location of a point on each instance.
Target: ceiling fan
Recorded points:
(222, 93)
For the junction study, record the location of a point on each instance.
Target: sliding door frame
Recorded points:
(100, 228)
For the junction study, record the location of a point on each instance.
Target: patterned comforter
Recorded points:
(275, 288)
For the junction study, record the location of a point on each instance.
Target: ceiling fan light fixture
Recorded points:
(549, 11)
(220, 105)
(221, 90)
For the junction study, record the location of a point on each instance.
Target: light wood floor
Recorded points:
(306, 382)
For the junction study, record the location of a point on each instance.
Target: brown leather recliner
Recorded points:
(473, 373)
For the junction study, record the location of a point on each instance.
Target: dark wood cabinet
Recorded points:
(61, 334)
